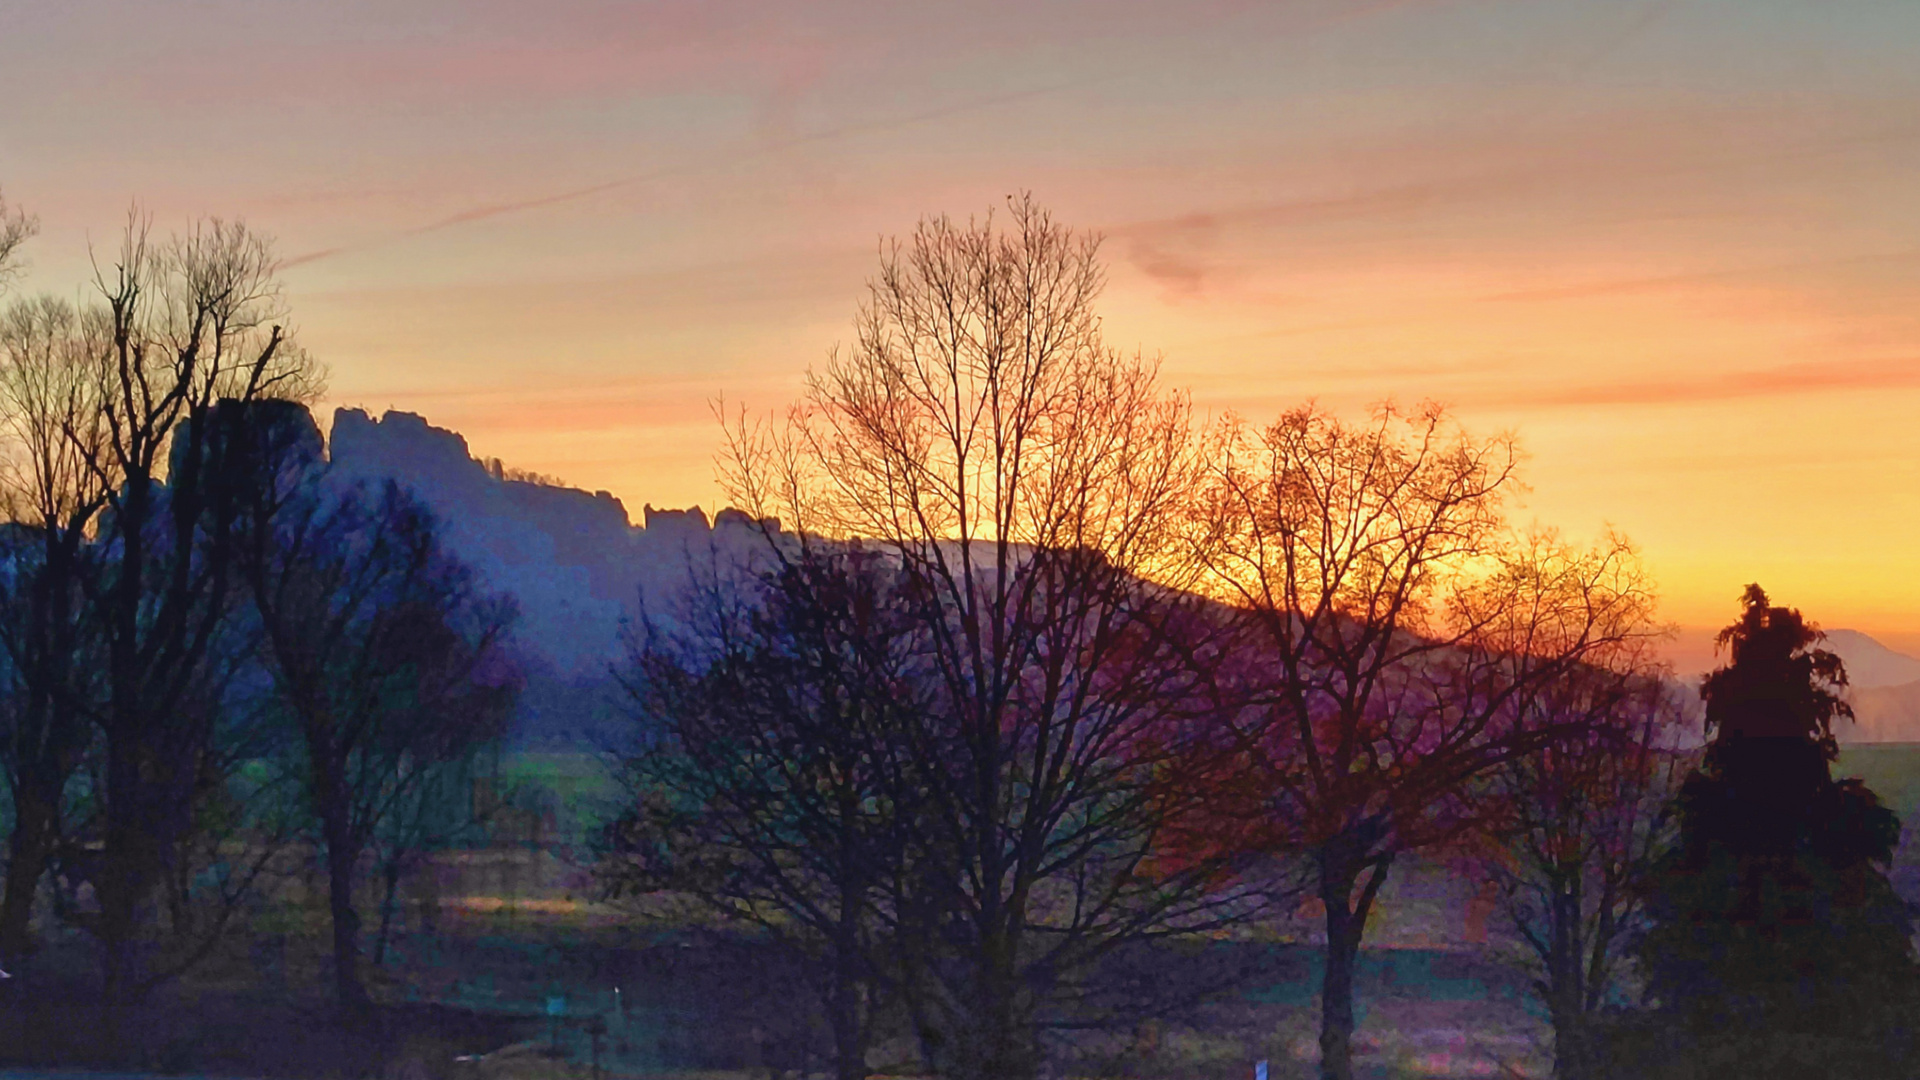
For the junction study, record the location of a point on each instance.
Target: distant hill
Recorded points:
(1885, 690)
(1884, 714)
(574, 561)
(1871, 665)
(1884, 684)
(580, 569)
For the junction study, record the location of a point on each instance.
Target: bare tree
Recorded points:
(16, 228)
(432, 808)
(381, 647)
(52, 422)
(1571, 845)
(46, 495)
(1395, 625)
(1024, 479)
(119, 635)
(775, 787)
(185, 325)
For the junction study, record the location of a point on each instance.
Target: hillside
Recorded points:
(576, 563)
(1884, 714)
(1885, 690)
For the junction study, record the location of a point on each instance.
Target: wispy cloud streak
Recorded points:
(1664, 282)
(1785, 380)
(490, 211)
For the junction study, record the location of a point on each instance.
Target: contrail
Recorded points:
(1644, 21)
(312, 256)
(501, 209)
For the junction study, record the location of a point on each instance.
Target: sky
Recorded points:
(1673, 245)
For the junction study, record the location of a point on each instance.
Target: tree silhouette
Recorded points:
(1778, 946)
(1025, 481)
(16, 227)
(1399, 633)
(1574, 836)
(123, 634)
(182, 327)
(776, 789)
(52, 423)
(383, 651)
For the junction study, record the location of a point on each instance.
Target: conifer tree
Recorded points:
(1778, 947)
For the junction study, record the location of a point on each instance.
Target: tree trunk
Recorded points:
(1567, 991)
(342, 854)
(976, 1031)
(392, 876)
(844, 1015)
(1336, 996)
(46, 743)
(846, 1011)
(1346, 919)
(31, 845)
(1002, 1037)
(130, 839)
(122, 880)
(917, 990)
(1572, 1046)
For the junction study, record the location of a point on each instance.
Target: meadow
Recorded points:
(1443, 990)
(506, 965)
(1892, 770)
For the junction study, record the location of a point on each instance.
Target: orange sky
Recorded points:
(1675, 245)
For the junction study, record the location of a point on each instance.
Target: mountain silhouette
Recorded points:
(1883, 685)
(580, 569)
(1883, 688)
(583, 571)
(1871, 665)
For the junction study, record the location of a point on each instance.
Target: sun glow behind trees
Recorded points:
(1345, 640)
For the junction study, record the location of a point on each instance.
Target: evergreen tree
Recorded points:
(1778, 947)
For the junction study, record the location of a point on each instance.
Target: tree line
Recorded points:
(213, 651)
(1042, 667)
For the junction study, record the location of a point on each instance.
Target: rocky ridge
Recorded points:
(580, 569)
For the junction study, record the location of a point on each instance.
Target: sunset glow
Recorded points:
(1673, 245)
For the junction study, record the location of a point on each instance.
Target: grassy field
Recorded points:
(518, 926)
(1439, 997)
(582, 790)
(577, 792)
(488, 940)
(586, 785)
(1892, 770)
(689, 1001)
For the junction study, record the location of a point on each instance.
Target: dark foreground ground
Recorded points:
(1438, 995)
(217, 1031)
(701, 1005)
